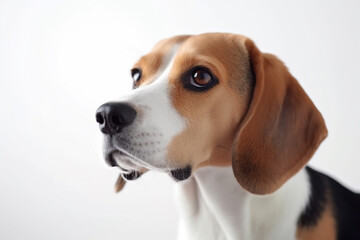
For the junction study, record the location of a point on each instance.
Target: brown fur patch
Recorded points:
(281, 130)
(325, 228)
(267, 130)
(214, 115)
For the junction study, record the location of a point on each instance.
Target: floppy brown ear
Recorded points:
(281, 130)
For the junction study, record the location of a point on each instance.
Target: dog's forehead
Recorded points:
(155, 61)
(219, 45)
(220, 52)
(160, 51)
(218, 49)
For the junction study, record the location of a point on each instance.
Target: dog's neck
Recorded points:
(214, 206)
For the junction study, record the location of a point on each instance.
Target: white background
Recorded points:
(59, 60)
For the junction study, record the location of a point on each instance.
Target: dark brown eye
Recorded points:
(201, 78)
(136, 74)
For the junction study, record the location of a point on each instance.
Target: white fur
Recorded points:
(212, 203)
(214, 206)
(149, 135)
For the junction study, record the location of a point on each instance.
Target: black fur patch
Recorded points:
(317, 201)
(345, 205)
(181, 173)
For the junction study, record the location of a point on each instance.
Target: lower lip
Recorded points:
(111, 159)
(125, 162)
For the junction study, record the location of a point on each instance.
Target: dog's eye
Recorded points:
(201, 78)
(136, 74)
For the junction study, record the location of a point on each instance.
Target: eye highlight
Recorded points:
(199, 79)
(136, 74)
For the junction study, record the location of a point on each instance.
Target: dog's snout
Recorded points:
(114, 116)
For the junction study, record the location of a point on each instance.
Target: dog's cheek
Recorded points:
(212, 119)
(188, 148)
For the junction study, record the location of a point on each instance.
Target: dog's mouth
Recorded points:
(131, 168)
(124, 161)
(130, 171)
(110, 157)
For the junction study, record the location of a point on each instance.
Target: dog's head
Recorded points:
(212, 99)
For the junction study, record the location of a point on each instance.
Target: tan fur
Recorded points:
(281, 130)
(267, 132)
(212, 116)
(325, 228)
(119, 184)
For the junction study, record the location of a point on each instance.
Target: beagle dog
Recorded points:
(235, 129)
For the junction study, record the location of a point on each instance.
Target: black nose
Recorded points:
(114, 116)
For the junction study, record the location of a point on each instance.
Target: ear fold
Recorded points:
(281, 130)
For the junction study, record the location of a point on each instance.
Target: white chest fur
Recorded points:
(212, 205)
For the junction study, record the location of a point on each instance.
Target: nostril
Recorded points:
(99, 118)
(115, 120)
